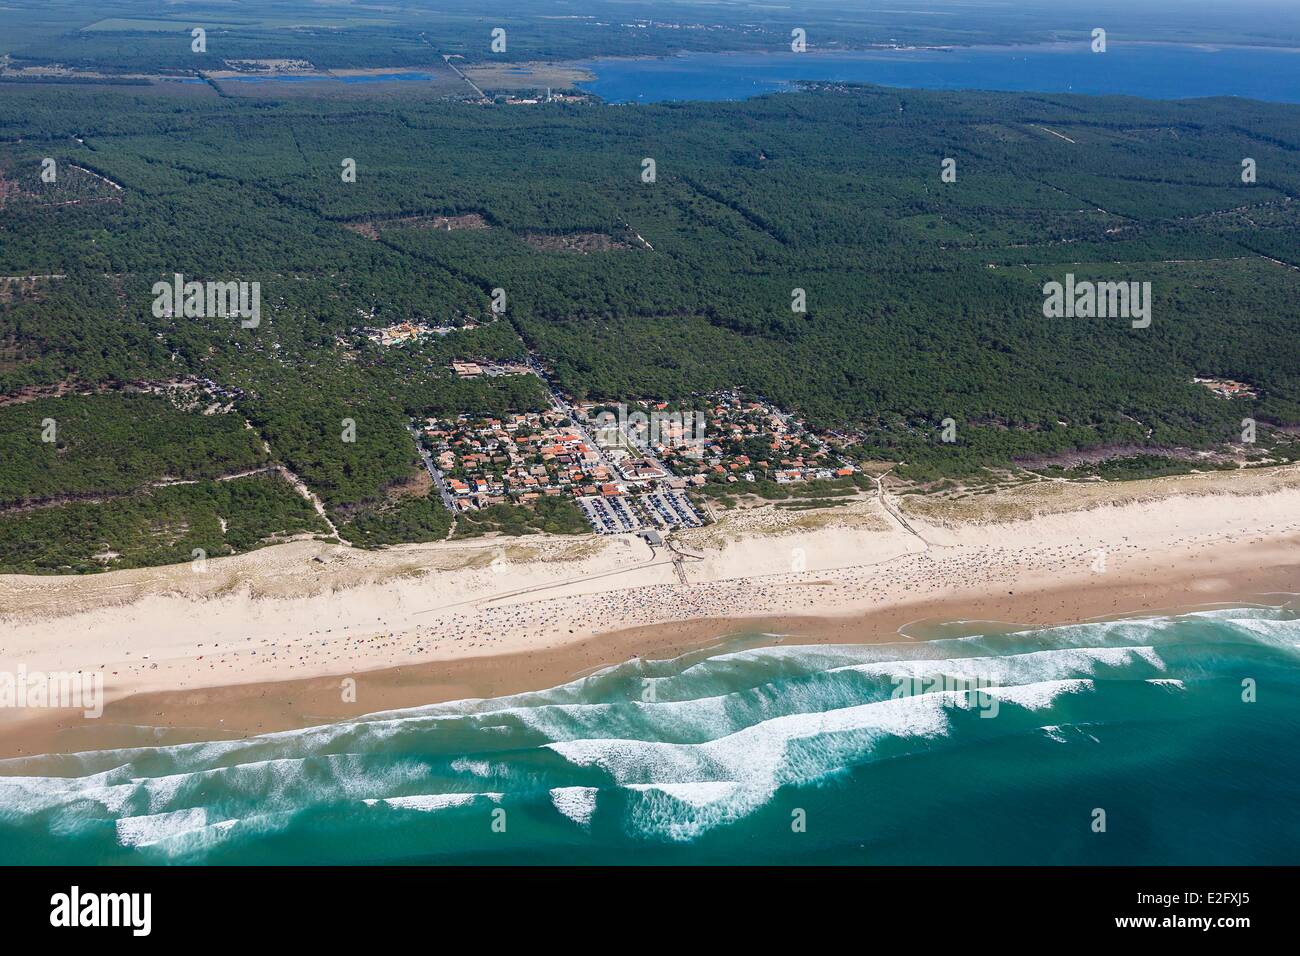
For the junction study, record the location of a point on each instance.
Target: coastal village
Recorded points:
(629, 467)
(480, 462)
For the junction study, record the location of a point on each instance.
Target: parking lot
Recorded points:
(670, 509)
(625, 513)
(609, 515)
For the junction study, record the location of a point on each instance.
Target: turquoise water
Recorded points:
(716, 756)
(1153, 70)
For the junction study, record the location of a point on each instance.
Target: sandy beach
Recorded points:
(266, 640)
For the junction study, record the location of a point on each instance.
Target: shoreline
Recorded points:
(264, 640)
(1045, 45)
(240, 711)
(1145, 87)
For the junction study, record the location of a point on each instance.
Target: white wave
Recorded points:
(705, 718)
(1039, 695)
(795, 748)
(478, 768)
(178, 840)
(286, 771)
(23, 796)
(162, 790)
(1275, 633)
(683, 811)
(1016, 669)
(430, 802)
(752, 753)
(264, 786)
(153, 828)
(808, 656)
(757, 759)
(696, 794)
(284, 784)
(576, 803)
(1116, 634)
(279, 783)
(370, 732)
(1240, 613)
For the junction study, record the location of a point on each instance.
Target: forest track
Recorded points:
(894, 512)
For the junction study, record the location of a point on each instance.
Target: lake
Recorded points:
(1154, 70)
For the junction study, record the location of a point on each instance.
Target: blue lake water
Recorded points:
(1154, 70)
(748, 754)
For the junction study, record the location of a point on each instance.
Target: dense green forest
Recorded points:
(113, 444)
(924, 297)
(551, 515)
(403, 521)
(164, 526)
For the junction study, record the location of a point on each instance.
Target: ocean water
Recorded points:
(1153, 70)
(744, 754)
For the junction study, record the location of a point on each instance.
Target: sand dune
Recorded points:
(308, 609)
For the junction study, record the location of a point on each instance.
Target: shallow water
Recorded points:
(718, 756)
